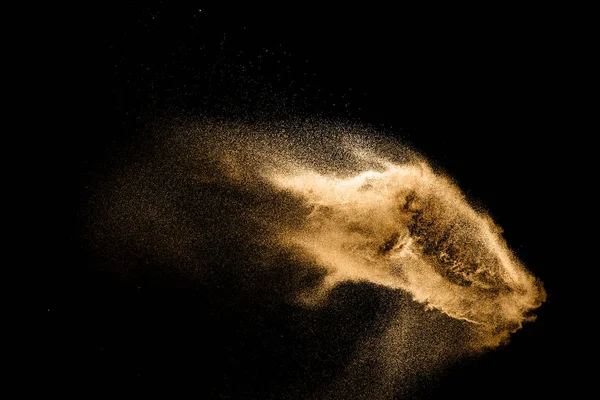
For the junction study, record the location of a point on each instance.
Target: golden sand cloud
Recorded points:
(407, 228)
(240, 200)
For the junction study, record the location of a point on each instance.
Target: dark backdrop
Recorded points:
(478, 95)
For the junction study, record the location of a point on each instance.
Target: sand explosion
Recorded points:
(342, 199)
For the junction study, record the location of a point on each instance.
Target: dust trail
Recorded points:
(340, 200)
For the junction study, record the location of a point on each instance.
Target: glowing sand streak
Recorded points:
(407, 228)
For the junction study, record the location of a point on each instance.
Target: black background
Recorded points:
(480, 95)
